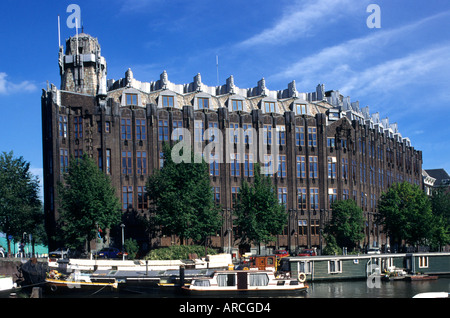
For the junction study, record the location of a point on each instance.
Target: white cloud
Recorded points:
(300, 19)
(7, 87)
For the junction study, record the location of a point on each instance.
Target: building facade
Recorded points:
(317, 147)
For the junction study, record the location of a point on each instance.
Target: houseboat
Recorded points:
(245, 281)
(77, 281)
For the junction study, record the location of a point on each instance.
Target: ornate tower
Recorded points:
(82, 67)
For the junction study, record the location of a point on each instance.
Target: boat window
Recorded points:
(226, 280)
(258, 280)
(202, 282)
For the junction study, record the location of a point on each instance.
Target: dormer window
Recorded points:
(269, 107)
(300, 109)
(203, 103)
(167, 101)
(131, 99)
(237, 105)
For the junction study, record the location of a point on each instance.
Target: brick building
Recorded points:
(322, 146)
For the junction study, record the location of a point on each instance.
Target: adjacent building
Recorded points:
(318, 147)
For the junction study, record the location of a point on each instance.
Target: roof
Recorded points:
(441, 176)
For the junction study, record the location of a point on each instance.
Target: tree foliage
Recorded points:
(87, 202)
(405, 213)
(183, 199)
(259, 214)
(347, 223)
(20, 206)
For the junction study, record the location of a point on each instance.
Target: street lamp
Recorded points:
(123, 240)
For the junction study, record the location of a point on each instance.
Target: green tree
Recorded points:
(440, 206)
(183, 199)
(260, 216)
(87, 202)
(405, 214)
(347, 223)
(20, 206)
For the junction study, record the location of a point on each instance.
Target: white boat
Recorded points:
(58, 282)
(433, 295)
(246, 281)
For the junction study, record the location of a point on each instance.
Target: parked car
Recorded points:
(62, 252)
(307, 252)
(110, 252)
(373, 250)
(281, 253)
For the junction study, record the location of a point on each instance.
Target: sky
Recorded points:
(394, 58)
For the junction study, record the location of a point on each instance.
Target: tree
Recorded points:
(405, 214)
(20, 206)
(88, 203)
(183, 199)
(347, 223)
(440, 206)
(260, 216)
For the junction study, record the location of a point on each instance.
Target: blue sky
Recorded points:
(400, 70)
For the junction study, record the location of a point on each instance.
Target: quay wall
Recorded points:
(8, 266)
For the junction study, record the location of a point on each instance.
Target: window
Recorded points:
(203, 103)
(330, 142)
(78, 154)
(199, 129)
(313, 166)
(312, 136)
(108, 161)
(267, 134)
(282, 196)
(299, 136)
(301, 167)
(248, 165)
(213, 132)
(107, 127)
(63, 126)
(161, 159)
(345, 194)
(301, 197)
(127, 197)
(282, 166)
(141, 162)
(131, 99)
(64, 160)
(315, 230)
(332, 167)
(125, 127)
(167, 101)
(78, 127)
(235, 166)
(234, 133)
(302, 227)
(126, 162)
(332, 196)
(163, 130)
(216, 194)
(344, 143)
(140, 129)
(300, 109)
(314, 198)
(269, 107)
(281, 134)
(334, 266)
(344, 168)
(213, 165)
(267, 165)
(423, 261)
(234, 195)
(142, 198)
(248, 133)
(100, 159)
(237, 105)
(177, 134)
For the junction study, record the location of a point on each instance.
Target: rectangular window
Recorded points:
(330, 142)
(108, 161)
(269, 107)
(177, 134)
(131, 99)
(100, 159)
(78, 127)
(345, 194)
(332, 167)
(126, 162)
(127, 197)
(64, 160)
(237, 105)
(312, 136)
(301, 167)
(299, 136)
(281, 135)
(423, 261)
(234, 133)
(216, 194)
(142, 198)
(213, 165)
(167, 101)
(334, 266)
(213, 129)
(141, 162)
(248, 133)
(313, 167)
(282, 166)
(63, 126)
(78, 154)
(301, 197)
(140, 129)
(344, 168)
(282, 196)
(235, 165)
(332, 196)
(315, 229)
(125, 127)
(301, 109)
(248, 165)
(107, 127)
(199, 129)
(234, 195)
(302, 227)
(314, 198)
(163, 130)
(203, 103)
(161, 159)
(267, 134)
